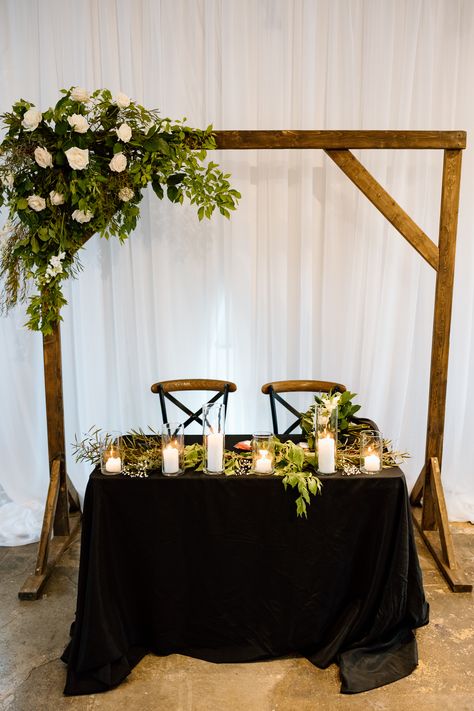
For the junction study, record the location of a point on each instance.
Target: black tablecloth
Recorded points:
(220, 568)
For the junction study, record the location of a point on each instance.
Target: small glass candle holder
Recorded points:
(263, 453)
(371, 450)
(213, 416)
(172, 448)
(112, 454)
(325, 427)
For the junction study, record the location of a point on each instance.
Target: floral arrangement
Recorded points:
(80, 167)
(345, 413)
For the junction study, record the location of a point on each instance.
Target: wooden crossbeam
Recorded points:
(390, 209)
(248, 140)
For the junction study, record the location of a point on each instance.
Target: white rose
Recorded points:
(36, 203)
(78, 158)
(79, 94)
(124, 132)
(43, 157)
(118, 163)
(82, 216)
(122, 100)
(7, 180)
(125, 194)
(56, 198)
(31, 119)
(78, 122)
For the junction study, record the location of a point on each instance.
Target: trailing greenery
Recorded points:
(143, 455)
(297, 466)
(81, 167)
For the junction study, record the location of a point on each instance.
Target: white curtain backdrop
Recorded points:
(306, 280)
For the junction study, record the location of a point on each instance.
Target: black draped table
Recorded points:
(221, 568)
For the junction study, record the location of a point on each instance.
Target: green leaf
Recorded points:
(21, 204)
(61, 128)
(175, 179)
(172, 193)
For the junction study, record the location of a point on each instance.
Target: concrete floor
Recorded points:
(34, 634)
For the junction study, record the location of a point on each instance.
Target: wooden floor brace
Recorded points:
(431, 520)
(50, 546)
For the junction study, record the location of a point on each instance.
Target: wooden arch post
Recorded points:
(428, 491)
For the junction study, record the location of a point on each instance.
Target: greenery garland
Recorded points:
(81, 167)
(297, 466)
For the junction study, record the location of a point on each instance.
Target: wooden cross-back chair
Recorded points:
(164, 389)
(277, 387)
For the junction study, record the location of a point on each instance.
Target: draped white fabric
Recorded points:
(306, 280)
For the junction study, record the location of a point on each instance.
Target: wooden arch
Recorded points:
(428, 491)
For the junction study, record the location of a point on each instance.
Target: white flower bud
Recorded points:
(78, 122)
(31, 119)
(82, 216)
(79, 94)
(124, 132)
(78, 158)
(56, 198)
(122, 100)
(36, 203)
(43, 157)
(125, 194)
(118, 163)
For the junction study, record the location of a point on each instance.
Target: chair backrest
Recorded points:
(166, 387)
(292, 386)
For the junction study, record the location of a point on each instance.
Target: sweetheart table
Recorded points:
(221, 568)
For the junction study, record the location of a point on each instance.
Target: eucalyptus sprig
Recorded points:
(81, 167)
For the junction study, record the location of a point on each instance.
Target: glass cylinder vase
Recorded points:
(172, 448)
(371, 450)
(325, 427)
(263, 453)
(112, 454)
(213, 415)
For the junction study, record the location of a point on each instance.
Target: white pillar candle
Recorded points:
(263, 464)
(170, 460)
(215, 451)
(326, 455)
(372, 463)
(113, 465)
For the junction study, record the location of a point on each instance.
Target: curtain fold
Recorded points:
(307, 279)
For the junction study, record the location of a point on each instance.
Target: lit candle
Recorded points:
(215, 451)
(326, 455)
(113, 465)
(372, 463)
(170, 460)
(263, 464)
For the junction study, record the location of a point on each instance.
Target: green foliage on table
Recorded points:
(142, 455)
(81, 167)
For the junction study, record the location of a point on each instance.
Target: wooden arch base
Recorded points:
(432, 522)
(62, 512)
(440, 256)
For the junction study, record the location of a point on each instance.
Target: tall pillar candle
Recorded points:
(326, 455)
(215, 451)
